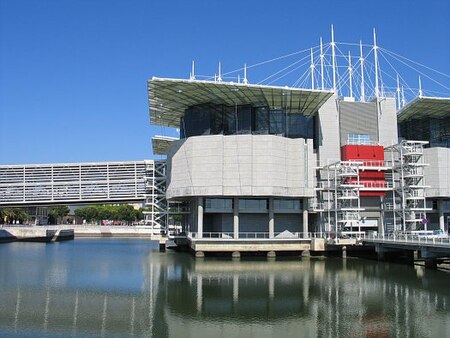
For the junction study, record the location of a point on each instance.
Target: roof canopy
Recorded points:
(437, 107)
(169, 98)
(161, 144)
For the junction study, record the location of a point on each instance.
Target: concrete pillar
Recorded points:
(305, 218)
(200, 217)
(440, 207)
(236, 217)
(271, 219)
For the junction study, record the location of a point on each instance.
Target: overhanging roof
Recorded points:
(168, 98)
(436, 107)
(161, 144)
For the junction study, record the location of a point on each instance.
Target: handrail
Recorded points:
(410, 238)
(249, 235)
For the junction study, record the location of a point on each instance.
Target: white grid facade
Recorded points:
(65, 183)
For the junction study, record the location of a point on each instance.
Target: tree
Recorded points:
(126, 213)
(55, 214)
(15, 214)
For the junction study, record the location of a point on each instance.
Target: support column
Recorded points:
(200, 217)
(382, 215)
(305, 218)
(271, 219)
(236, 217)
(440, 208)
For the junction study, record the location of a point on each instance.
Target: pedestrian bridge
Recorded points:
(80, 183)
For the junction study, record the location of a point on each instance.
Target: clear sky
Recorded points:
(73, 72)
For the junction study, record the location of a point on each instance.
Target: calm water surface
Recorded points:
(112, 287)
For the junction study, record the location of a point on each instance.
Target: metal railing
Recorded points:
(249, 235)
(410, 238)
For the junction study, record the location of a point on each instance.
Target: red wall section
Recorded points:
(362, 152)
(371, 156)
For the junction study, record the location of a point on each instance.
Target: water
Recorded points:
(116, 287)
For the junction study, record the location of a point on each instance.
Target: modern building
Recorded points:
(256, 161)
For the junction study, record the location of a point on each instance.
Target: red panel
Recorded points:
(362, 152)
(371, 156)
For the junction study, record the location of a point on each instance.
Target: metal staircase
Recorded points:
(338, 193)
(407, 202)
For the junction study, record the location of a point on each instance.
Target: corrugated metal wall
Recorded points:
(359, 118)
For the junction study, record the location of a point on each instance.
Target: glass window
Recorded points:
(196, 122)
(229, 120)
(300, 126)
(261, 120)
(244, 114)
(358, 138)
(277, 122)
(182, 132)
(216, 119)
(287, 204)
(219, 203)
(252, 204)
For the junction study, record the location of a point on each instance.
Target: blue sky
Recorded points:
(73, 73)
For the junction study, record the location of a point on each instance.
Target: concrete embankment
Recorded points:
(50, 233)
(34, 234)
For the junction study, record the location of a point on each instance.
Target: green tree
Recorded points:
(126, 213)
(55, 214)
(16, 214)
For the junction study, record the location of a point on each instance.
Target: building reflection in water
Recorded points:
(175, 295)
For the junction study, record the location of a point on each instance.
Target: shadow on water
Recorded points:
(113, 287)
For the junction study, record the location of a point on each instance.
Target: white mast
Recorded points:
(375, 53)
(399, 102)
(361, 60)
(333, 56)
(245, 81)
(350, 72)
(403, 98)
(312, 70)
(420, 87)
(321, 62)
(192, 75)
(219, 78)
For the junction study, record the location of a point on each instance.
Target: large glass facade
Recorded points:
(211, 119)
(435, 131)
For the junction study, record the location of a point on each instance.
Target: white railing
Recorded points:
(249, 236)
(376, 163)
(376, 184)
(439, 239)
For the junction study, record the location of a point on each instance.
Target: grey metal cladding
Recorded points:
(359, 118)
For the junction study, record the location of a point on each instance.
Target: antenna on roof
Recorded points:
(350, 72)
(420, 87)
(375, 53)
(312, 70)
(219, 78)
(245, 81)
(321, 63)
(399, 102)
(361, 60)
(192, 74)
(333, 56)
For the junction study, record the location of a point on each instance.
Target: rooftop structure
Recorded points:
(169, 98)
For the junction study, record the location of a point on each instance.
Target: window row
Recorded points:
(226, 204)
(210, 119)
